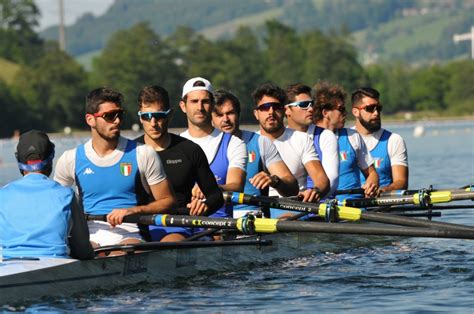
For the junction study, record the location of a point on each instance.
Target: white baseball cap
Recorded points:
(189, 86)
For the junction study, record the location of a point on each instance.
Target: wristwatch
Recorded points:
(275, 181)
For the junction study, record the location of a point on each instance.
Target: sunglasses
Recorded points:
(266, 106)
(147, 116)
(110, 116)
(372, 108)
(305, 104)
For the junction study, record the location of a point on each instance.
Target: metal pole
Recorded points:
(62, 36)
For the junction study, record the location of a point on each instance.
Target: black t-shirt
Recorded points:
(186, 164)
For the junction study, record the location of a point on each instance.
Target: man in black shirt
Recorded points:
(184, 161)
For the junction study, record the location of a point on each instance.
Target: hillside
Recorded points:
(416, 31)
(9, 70)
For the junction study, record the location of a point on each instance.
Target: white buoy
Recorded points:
(418, 131)
(135, 127)
(67, 130)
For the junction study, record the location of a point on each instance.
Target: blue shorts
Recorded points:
(158, 233)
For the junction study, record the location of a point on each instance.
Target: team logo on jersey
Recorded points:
(378, 162)
(343, 156)
(88, 171)
(125, 168)
(252, 156)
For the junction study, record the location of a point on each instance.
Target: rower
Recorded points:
(225, 153)
(38, 216)
(388, 149)
(183, 160)
(114, 175)
(299, 113)
(295, 148)
(265, 168)
(330, 113)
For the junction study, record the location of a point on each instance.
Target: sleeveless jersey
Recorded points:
(254, 166)
(317, 133)
(349, 173)
(219, 167)
(103, 189)
(381, 160)
(34, 217)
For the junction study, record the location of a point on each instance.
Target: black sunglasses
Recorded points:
(266, 106)
(110, 116)
(372, 108)
(147, 116)
(305, 104)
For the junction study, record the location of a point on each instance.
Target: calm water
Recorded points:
(413, 275)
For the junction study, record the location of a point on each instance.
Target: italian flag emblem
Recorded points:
(343, 156)
(377, 162)
(125, 168)
(252, 156)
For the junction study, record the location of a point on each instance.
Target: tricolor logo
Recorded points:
(377, 162)
(252, 156)
(343, 156)
(125, 168)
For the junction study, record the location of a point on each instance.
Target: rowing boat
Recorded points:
(26, 280)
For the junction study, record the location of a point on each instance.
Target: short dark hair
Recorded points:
(271, 90)
(221, 96)
(100, 95)
(325, 96)
(200, 83)
(294, 90)
(362, 92)
(152, 94)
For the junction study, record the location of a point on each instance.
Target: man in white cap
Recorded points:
(226, 153)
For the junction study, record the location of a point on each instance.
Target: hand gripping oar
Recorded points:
(252, 225)
(332, 212)
(466, 188)
(424, 199)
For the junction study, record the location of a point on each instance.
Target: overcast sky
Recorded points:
(73, 9)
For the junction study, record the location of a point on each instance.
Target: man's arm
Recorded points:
(399, 160)
(65, 168)
(371, 185)
(320, 180)
(79, 243)
(400, 179)
(235, 180)
(207, 184)
(279, 177)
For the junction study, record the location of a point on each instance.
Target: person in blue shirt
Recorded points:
(265, 168)
(38, 216)
(387, 148)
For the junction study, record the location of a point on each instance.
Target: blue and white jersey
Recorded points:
(35, 213)
(316, 134)
(382, 163)
(349, 177)
(223, 151)
(103, 189)
(219, 166)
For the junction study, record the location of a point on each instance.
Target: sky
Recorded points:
(73, 9)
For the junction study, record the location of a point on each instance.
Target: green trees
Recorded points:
(52, 91)
(135, 58)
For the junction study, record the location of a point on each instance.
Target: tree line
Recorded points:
(48, 92)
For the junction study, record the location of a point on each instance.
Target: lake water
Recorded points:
(412, 275)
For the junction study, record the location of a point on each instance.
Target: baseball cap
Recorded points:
(197, 83)
(34, 150)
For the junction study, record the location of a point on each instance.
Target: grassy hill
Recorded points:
(416, 31)
(8, 70)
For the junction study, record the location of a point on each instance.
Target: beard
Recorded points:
(273, 129)
(371, 126)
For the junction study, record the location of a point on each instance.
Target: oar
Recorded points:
(467, 188)
(435, 207)
(330, 212)
(268, 225)
(422, 199)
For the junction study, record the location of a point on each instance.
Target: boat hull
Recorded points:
(47, 277)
